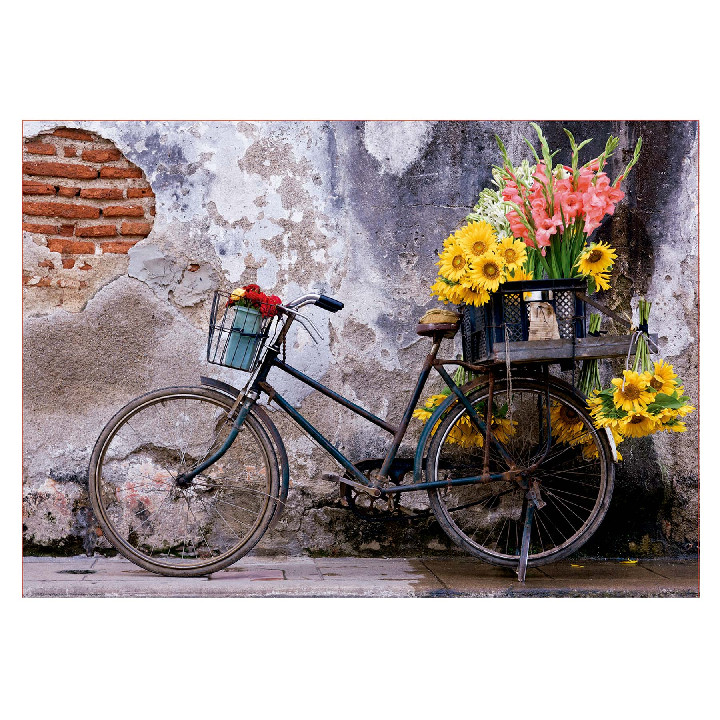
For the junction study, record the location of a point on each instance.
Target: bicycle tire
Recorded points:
(576, 486)
(174, 531)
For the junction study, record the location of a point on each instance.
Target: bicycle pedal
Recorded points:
(334, 477)
(534, 495)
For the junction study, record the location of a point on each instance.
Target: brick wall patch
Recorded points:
(82, 198)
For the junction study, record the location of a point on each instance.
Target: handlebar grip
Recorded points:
(328, 303)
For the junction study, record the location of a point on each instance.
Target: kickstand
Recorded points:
(525, 546)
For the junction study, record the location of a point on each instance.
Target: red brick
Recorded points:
(39, 148)
(68, 191)
(194, 267)
(152, 211)
(72, 247)
(101, 156)
(117, 172)
(67, 230)
(69, 151)
(46, 264)
(43, 282)
(26, 279)
(96, 231)
(124, 211)
(135, 228)
(85, 266)
(35, 188)
(117, 247)
(55, 169)
(60, 210)
(73, 134)
(102, 193)
(48, 229)
(140, 192)
(68, 263)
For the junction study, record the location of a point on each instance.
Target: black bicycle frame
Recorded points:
(260, 384)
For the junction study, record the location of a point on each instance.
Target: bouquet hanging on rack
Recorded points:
(536, 224)
(645, 400)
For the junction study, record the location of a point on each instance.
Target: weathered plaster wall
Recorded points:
(357, 210)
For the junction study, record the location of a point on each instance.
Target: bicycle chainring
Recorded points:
(387, 507)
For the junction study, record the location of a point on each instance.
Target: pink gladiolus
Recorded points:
(571, 205)
(545, 228)
(615, 195)
(539, 174)
(538, 205)
(585, 179)
(516, 225)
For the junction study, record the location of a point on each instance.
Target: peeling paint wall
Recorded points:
(355, 210)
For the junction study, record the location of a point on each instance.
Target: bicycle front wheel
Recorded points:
(574, 477)
(171, 529)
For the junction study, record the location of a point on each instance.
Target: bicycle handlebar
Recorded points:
(330, 304)
(323, 301)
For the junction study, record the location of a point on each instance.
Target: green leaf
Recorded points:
(662, 401)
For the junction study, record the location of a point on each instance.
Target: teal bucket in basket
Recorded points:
(244, 337)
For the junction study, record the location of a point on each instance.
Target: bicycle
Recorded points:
(185, 481)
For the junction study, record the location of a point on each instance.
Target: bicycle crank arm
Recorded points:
(334, 477)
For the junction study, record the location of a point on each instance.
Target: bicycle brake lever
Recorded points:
(303, 320)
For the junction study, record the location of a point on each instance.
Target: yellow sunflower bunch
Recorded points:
(568, 428)
(464, 432)
(642, 403)
(474, 263)
(595, 262)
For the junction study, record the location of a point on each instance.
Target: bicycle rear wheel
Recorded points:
(575, 478)
(169, 529)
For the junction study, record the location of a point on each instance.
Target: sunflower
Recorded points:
(476, 239)
(503, 428)
(596, 258)
(603, 411)
(631, 393)
(512, 252)
(487, 272)
(457, 293)
(465, 434)
(425, 412)
(675, 425)
(639, 424)
(685, 410)
(439, 290)
(662, 378)
(466, 294)
(565, 424)
(453, 263)
(602, 280)
(520, 273)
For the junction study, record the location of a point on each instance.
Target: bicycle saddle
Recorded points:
(439, 322)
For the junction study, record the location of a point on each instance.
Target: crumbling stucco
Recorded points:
(355, 210)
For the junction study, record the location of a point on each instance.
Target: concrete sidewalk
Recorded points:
(362, 577)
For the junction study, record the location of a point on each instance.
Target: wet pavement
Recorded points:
(363, 577)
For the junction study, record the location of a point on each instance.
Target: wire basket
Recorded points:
(508, 311)
(237, 334)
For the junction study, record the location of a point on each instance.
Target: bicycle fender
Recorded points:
(269, 425)
(425, 434)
